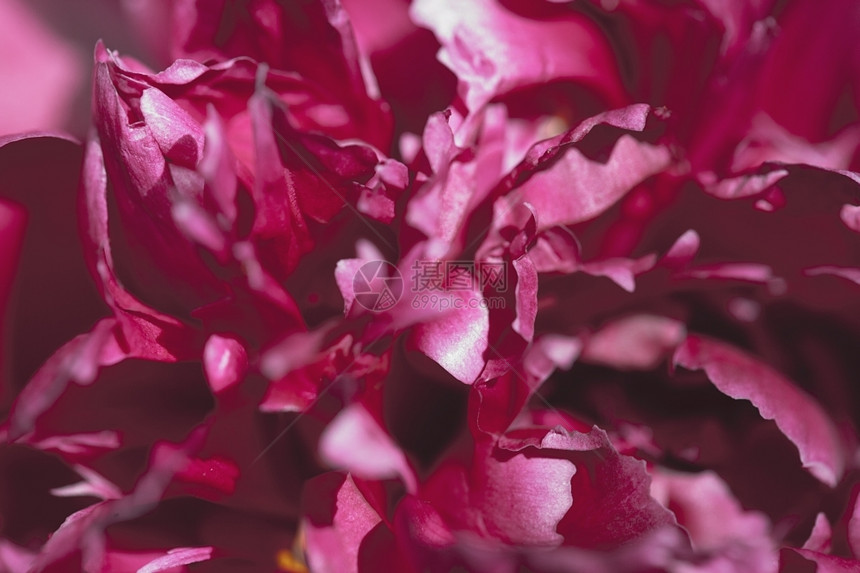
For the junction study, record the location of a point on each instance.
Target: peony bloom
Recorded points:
(434, 286)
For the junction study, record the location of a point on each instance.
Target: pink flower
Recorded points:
(481, 286)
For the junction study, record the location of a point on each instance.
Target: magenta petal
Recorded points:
(850, 215)
(682, 252)
(848, 273)
(179, 136)
(93, 485)
(345, 273)
(524, 496)
(638, 342)
(738, 20)
(311, 38)
(494, 51)
(148, 333)
(458, 338)
(81, 445)
(612, 503)
(355, 442)
(14, 558)
(527, 297)
(177, 558)
(444, 203)
(41, 72)
(84, 531)
(577, 189)
(748, 272)
(565, 186)
(854, 528)
(338, 519)
(225, 362)
(218, 168)
(797, 415)
(78, 361)
(821, 537)
(726, 537)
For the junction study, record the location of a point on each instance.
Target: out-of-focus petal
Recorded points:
(312, 38)
(821, 536)
(355, 442)
(493, 50)
(177, 558)
(225, 362)
(42, 73)
(635, 342)
(726, 537)
(338, 518)
(798, 415)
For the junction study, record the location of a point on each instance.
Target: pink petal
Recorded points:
(848, 273)
(854, 528)
(84, 531)
(14, 558)
(338, 520)
(313, 39)
(457, 339)
(744, 185)
(83, 445)
(463, 172)
(179, 136)
(355, 442)
(611, 503)
(524, 497)
(850, 215)
(749, 272)
(727, 537)
(210, 478)
(225, 362)
(93, 485)
(77, 362)
(737, 20)
(526, 297)
(577, 189)
(622, 272)
(820, 68)
(638, 342)
(177, 558)
(682, 251)
(797, 415)
(494, 51)
(821, 536)
(145, 330)
(41, 72)
(559, 180)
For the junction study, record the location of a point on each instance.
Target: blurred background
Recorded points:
(46, 54)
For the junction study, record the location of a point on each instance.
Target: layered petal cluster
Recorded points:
(431, 286)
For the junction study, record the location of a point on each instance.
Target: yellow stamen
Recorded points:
(289, 563)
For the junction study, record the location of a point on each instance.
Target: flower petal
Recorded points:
(797, 415)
